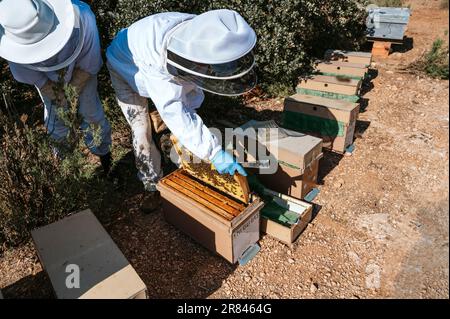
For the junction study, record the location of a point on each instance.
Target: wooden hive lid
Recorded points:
(235, 186)
(330, 53)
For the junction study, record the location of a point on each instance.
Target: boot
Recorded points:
(151, 202)
(106, 161)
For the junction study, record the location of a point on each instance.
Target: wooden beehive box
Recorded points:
(364, 58)
(81, 241)
(296, 155)
(331, 84)
(284, 230)
(339, 68)
(218, 221)
(332, 120)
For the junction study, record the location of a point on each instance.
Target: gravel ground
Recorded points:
(382, 217)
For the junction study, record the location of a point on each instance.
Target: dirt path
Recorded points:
(382, 230)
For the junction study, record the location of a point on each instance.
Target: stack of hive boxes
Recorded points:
(386, 26)
(327, 103)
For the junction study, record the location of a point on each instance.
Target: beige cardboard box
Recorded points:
(331, 84)
(342, 68)
(284, 232)
(332, 120)
(203, 213)
(297, 156)
(349, 56)
(77, 249)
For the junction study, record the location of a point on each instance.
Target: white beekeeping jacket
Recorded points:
(89, 59)
(138, 55)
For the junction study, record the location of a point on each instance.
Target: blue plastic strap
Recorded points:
(312, 195)
(249, 254)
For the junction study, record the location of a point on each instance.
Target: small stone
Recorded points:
(291, 261)
(314, 287)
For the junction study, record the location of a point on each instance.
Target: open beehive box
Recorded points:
(284, 217)
(215, 210)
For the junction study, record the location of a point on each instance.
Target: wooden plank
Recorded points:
(209, 191)
(381, 49)
(198, 199)
(331, 84)
(213, 200)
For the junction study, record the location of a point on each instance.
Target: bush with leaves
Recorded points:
(291, 33)
(434, 62)
(389, 3)
(40, 180)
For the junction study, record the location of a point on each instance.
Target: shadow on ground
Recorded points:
(407, 45)
(30, 287)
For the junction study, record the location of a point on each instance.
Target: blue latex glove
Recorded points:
(225, 163)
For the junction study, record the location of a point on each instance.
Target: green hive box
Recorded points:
(332, 120)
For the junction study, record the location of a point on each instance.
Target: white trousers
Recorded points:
(135, 109)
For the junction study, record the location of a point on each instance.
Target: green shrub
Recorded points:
(291, 33)
(22, 94)
(389, 3)
(37, 186)
(434, 62)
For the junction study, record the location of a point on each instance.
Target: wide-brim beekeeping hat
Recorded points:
(32, 31)
(214, 50)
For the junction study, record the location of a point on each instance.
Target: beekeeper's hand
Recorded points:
(79, 80)
(51, 92)
(225, 163)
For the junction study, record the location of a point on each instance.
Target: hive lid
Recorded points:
(342, 64)
(290, 148)
(235, 186)
(389, 15)
(81, 241)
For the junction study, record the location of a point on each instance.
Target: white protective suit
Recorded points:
(82, 74)
(137, 63)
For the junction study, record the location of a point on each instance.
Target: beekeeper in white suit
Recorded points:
(172, 58)
(40, 38)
